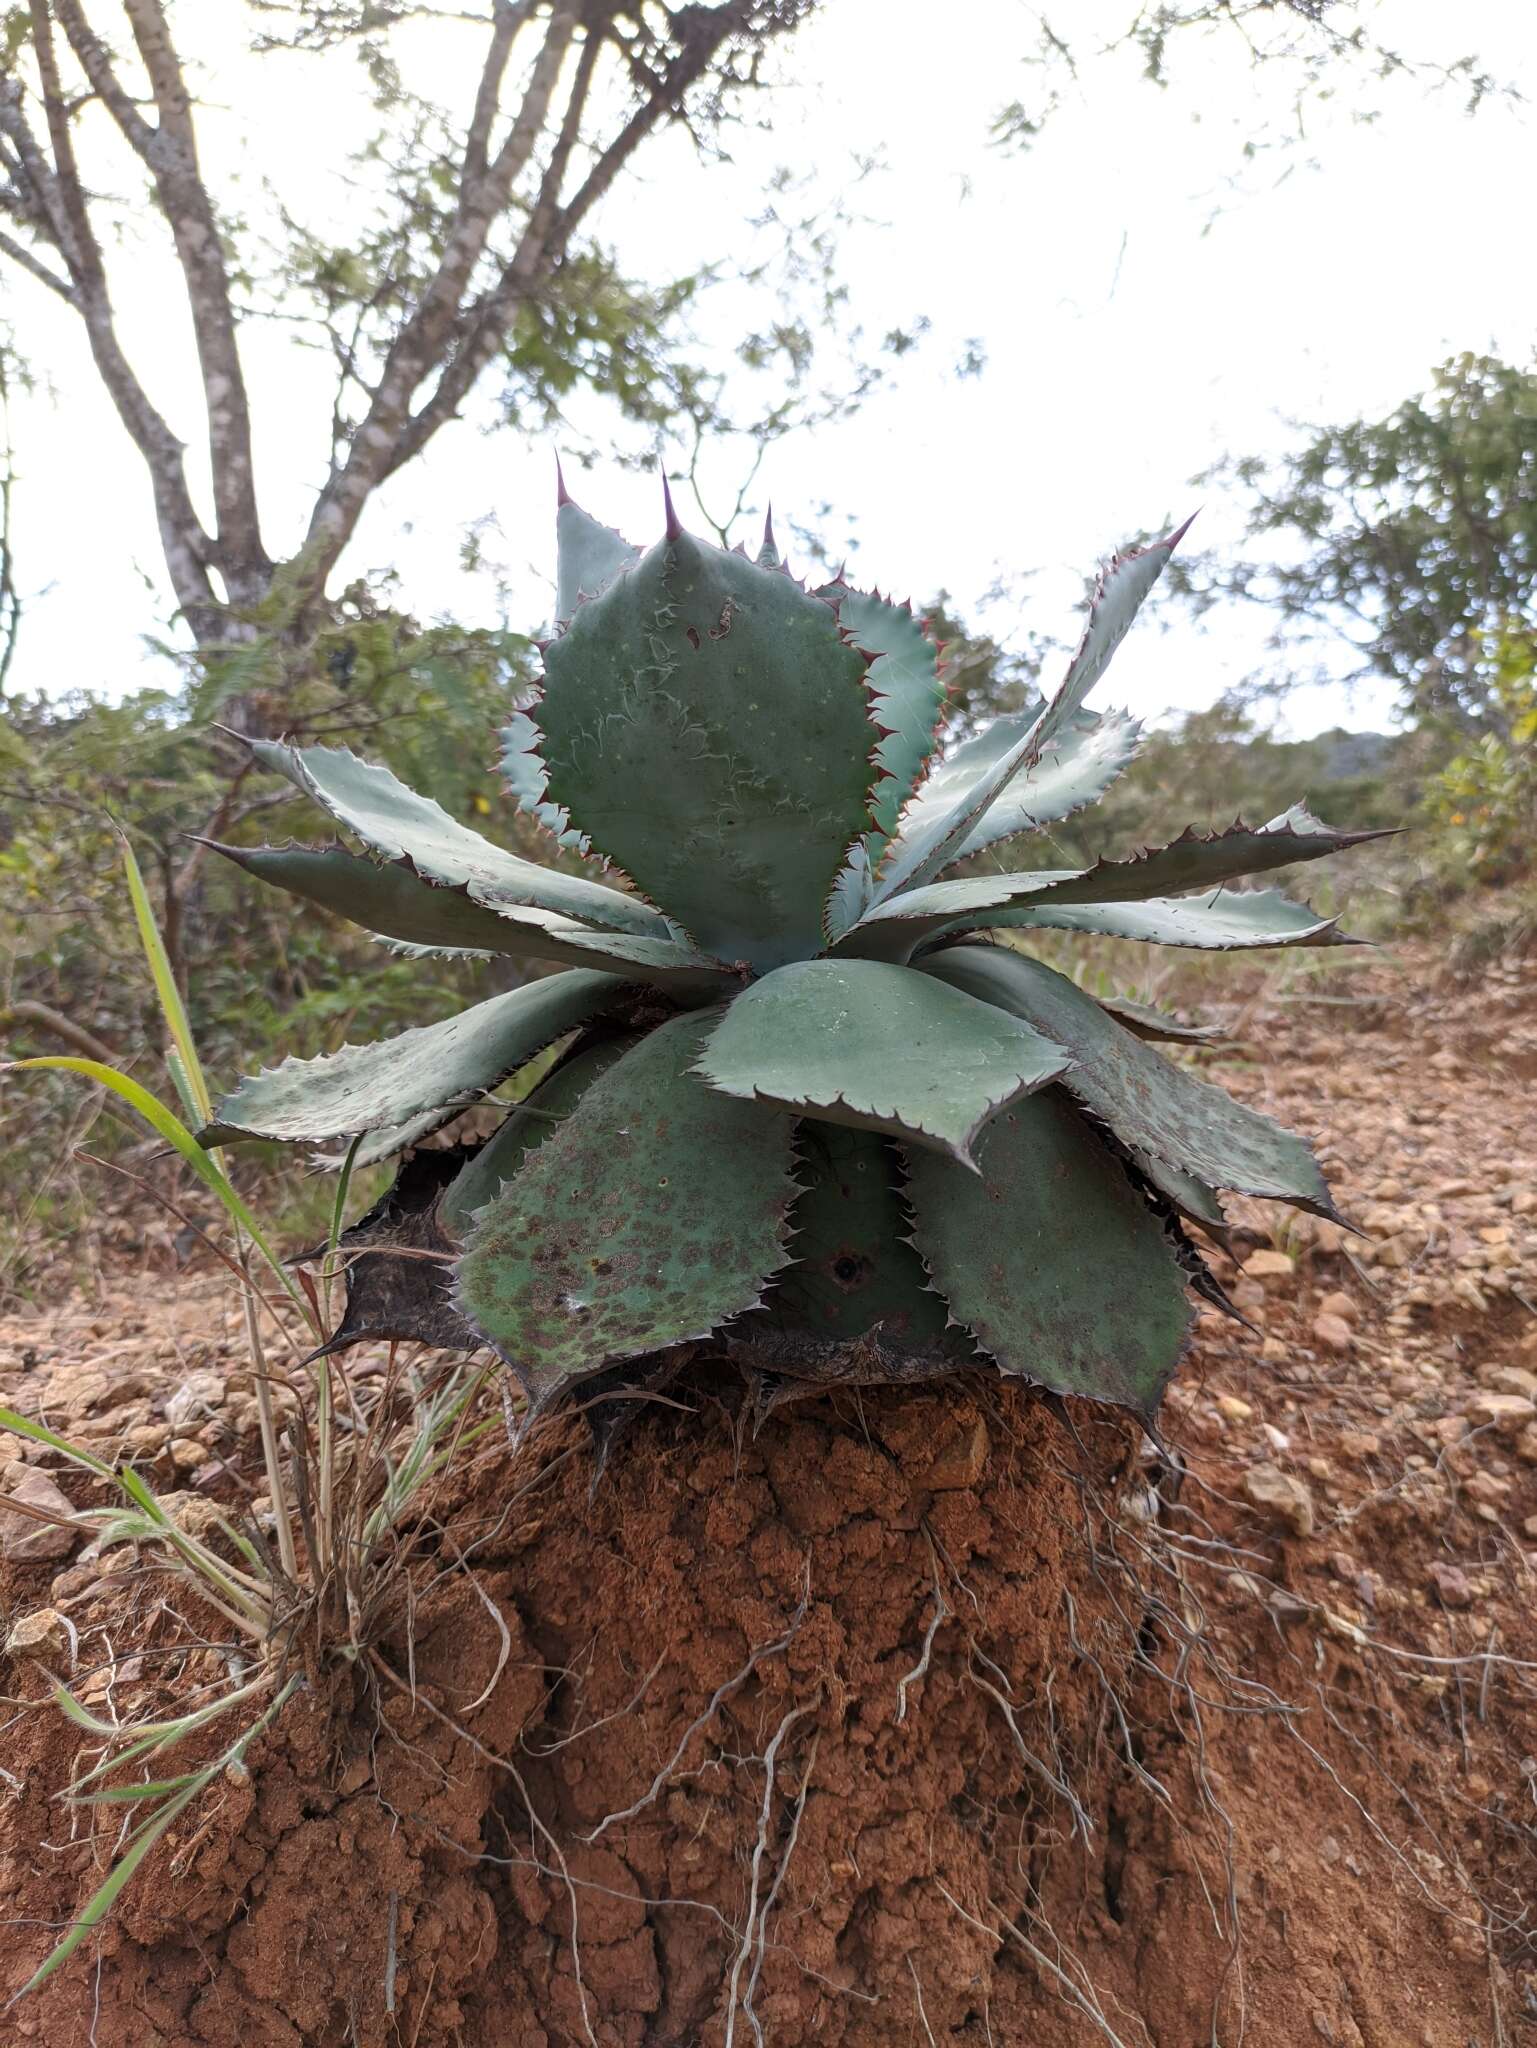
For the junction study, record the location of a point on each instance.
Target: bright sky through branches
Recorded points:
(1140, 317)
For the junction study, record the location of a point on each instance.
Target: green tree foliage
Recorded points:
(1413, 537)
(1485, 798)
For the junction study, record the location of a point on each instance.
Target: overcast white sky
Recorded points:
(1128, 343)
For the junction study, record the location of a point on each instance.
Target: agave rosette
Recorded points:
(806, 1104)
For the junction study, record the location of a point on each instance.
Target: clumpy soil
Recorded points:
(920, 1716)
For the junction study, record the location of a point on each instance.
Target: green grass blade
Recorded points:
(181, 1140)
(171, 1006)
(18, 1425)
(131, 1795)
(178, 1072)
(102, 1900)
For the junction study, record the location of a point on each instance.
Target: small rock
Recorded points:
(1232, 1409)
(147, 1441)
(1333, 1332)
(1359, 1443)
(1282, 1494)
(194, 1514)
(1485, 1488)
(42, 1633)
(1529, 1526)
(959, 1458)
(1264, 1265)
(1272, 1351)
(1526, 1444)
(22, 1540)
(1452, 1585)
(197, 1394)
(1512, 1379)
(1339, 1303)
(1277, 1439)
(1507, 1413)
(1247, 1294)
(1328, 1237)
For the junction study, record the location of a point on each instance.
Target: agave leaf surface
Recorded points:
(653, 1213)
(527, 778)
(1229, 920)
(1051, 1257)
(1205, 860)
(906, 690)
(403, 825)
(1186, 1192)
(527, 1126)
(704, 723)
(1122, 585)
(588, 556)
(877, 1047)
(393, 902)
(395, 1080)
(1076, 770)
(894, 927)
(1150, 1104)
(852, 1270)
(1148, 1021)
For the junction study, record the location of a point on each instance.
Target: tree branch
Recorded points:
(170, 151)
(550, 229)
(21, 255)
(61, 192)
(419, 344)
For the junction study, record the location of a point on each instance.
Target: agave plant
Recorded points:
(808, 1103)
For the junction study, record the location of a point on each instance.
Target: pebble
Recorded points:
(23, 1541)
(1333, 1332)
(1507, 1413)
(1452, 1585)
(1339, 1303)
(42, 1633)
(1263, 1265)
(1282, 1494)
(1232, 1409)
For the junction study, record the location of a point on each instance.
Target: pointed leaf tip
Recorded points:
(768, 525)
(562, 495)
(673, 529)
(1172, 540)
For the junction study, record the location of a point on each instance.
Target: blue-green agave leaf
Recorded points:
(891, 929)
(1051, 1257)
(1229, 920)
(1122, 585)
(906, 694)
(526, 776)
(368, 800)
(1186, 1192)
(705, 724)
(1076, 770)
(394, 903)
(395, 1080)
(1151, 1105)
(527, 1126)
(851, 892)
(588, 555)
(1146, 1020)
(853, 1272)
(654, 1212)
(877, 1047)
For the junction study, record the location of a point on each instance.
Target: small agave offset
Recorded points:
(806, 1106)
